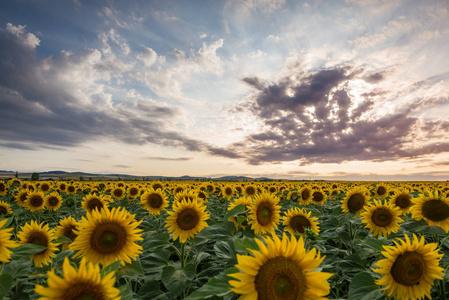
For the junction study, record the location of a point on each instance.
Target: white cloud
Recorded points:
(148, 56)
(26, 38)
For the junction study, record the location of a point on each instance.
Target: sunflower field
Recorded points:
(191, 240)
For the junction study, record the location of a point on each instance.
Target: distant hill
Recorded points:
(63, 175)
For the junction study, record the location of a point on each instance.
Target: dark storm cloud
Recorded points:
(316, 120)
(44, 104)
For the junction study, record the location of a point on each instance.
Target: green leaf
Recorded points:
(239, 209)
(8, 222)
(26, 250)
(150, 290)
(176, 281)
(126, 292)
(155, 241)
(363, 287)
(216, 286)
(5, 285)
(225, 251)
(113, 267)
(63, 239)
(216, 232)
(18, 268)
(132, 270)
(245, 244)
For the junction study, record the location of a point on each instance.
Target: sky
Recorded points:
(333, 90)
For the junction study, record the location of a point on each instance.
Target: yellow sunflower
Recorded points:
(41, 235)
(71, 189)
(273, 189)
(92, 202)
(185, 195)
(35, 201)
(293, 195)
(6, 242)
(318, 197)
(133, 191)
(62, 186)
(402, 199)
(264, 213)
(250, 190)
(382, 219)
(306, 195)
(228, 191)
(84, 283)
(67, 228)
(3, 189)
(118, 192)
(381, 191)
(154, 201)
(355, 201)
(21, 197)
(186, 220)
(409, 268)
(157, 185)
(433, 208)
(53, 201)
(242, 200)
(281, 269)
(45, 187)
(4, 208)
(106, 236)
(296, 220)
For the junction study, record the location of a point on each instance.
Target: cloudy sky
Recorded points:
(353, 89)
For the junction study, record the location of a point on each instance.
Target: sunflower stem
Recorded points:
(443, 289)
(183, 245)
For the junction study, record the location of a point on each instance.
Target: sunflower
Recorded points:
(433, 208)
(133, 191)
(228, 191)
(118, 192)
(250, 190)
(306, 195)
(154, 201)
(264, 213)
(355, 201)
(62, 186)
(246, 202)
(53, 201)
(381, 219)
(4, 208)
(5, 242)
(157, 185)
(186, 195)
(106, 236)
(296, 220)
(92, 202)
(21, 197)
(71, 189)
(45, 187)
(66, 228)
(402, 199)
(35, 201)
(409, 268)
(381, 191)
(3, 189)
(281, 269)
(85, 282)
(318, 197)
(186, 220)
(293, 195)
(39, 234)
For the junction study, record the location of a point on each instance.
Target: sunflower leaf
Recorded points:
(113, 267)
(176, 281)
(239, 209)
(26, 250)
(216, 286)
(63, 239)
(5, 285)
(363, 287)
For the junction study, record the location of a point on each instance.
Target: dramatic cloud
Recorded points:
(316, 118)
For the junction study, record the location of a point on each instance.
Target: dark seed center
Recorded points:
(435, 210)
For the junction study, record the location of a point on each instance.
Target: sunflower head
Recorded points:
(264, 213)
(3, 188)
(118, 192)
(381, 219)
(5, 242)
(67, 229)
(39, 234)
(45, 187)
(381, 190)
(106, 236)
(21, 197)
(402, 199)
(228, 191)
(250, 190)
(355, 201)
(5, 208)
(410, 267)
(186, 220)
(85, 282)
(280, 269)
(433, 208)
(318, 196)
(305, 195)
(133, 191)
(92, 202)
(297, 220)
(35, 201)
(154, 201)
(53, 201)
(246, 202)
